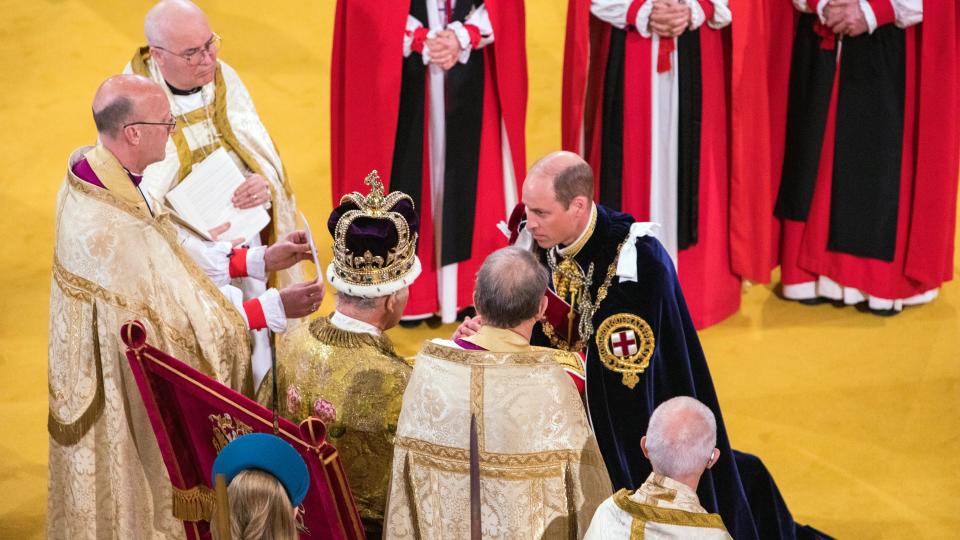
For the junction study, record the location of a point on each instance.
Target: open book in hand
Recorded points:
(203, 200)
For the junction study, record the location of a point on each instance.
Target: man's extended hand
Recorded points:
(845, 17)
(254, 191)
(287, 252)
(669, 18)
(469, 327)
(302, 299)
(220, 229)
(444, 49)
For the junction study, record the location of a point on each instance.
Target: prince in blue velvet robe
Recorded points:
(644, 325)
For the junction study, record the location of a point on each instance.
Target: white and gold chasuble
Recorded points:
(222, 113)
(541, 473)
(114, 262)
(661, 509)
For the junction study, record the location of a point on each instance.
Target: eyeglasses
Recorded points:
(171, 125)
(195, 55)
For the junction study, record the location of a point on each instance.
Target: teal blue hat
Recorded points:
(267, 453)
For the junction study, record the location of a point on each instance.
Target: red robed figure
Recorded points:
(194, 416)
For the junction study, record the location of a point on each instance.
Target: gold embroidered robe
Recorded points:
(114, 262)
(359, 380)
(660, 509)
(541, 473)
(228, 118)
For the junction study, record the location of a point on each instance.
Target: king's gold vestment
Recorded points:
(354, 381)
(114, 262)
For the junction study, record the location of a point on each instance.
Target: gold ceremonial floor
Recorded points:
(858, 417)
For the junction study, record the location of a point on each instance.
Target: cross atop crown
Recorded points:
(374, 201)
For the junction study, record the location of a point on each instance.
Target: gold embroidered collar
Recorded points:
(326, 332)
(577, 245)
(114, 177)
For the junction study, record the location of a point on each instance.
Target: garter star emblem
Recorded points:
(625, 343)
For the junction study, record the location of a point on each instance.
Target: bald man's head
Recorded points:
(510, 287)
(119, 100)
(571, 175)
(182, 43)
(168, 18)
(681, 437)
(558, 194)
(133, 118)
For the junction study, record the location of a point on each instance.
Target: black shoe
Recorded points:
(864, 307)
(410, 323)
(433, 322)
(816, 301)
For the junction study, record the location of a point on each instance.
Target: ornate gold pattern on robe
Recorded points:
(236, 126)
(114, 262)
(661, 508)
(542, 475)
(359, 377)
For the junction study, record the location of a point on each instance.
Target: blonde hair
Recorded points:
(259, 508)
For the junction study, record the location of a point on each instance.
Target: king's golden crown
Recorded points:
(367, 268)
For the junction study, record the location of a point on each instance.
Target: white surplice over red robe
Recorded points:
(869, 187)
(453, 141)
(650, 116)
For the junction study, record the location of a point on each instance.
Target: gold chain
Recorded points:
(587, 309)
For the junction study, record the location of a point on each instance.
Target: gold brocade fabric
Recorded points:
(541, 473)
(114, 262)
(661, 508)
(359, 381)
(229, 119)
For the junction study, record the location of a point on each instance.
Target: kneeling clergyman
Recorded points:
(343, 368)
(540, 469)
(680, 444)
(114, 260)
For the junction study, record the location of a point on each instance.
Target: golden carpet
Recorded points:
(856, 416)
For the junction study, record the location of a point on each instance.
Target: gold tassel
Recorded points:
(194, 504)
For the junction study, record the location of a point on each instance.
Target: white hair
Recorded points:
(681, 436)
(153, 26)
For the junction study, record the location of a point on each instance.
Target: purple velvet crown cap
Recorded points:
(378, 235)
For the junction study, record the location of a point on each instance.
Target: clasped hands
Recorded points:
(669, 18)
(845, 17)
(444, 49)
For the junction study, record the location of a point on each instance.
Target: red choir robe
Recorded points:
(760, 73)
(608, 102)
(380, 118)
(875, 211)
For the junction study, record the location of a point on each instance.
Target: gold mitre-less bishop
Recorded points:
(114, 261)
(541, 472)
(344, 370)
(221, 114)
